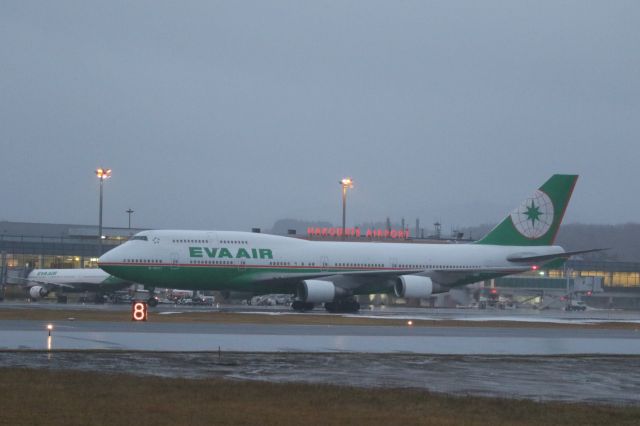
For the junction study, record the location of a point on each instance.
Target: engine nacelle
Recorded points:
(413, 286)
(316, 291)
(36, 292)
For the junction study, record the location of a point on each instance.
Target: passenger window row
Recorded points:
(360, 265)
(211, 262)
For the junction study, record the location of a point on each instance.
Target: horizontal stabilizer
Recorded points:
(549, 257)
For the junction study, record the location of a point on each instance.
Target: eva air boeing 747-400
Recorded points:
(333, 272)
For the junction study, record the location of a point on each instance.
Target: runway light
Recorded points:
(409, 323)
(49, 328)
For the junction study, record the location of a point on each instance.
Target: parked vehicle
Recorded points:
(576, 305)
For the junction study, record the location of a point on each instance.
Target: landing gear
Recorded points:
(299, 306)
(153, 299)
(342, 306)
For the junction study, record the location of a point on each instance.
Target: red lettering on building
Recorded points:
(359, 233)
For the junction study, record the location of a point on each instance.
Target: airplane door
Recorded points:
(175, 260)
(324, 263)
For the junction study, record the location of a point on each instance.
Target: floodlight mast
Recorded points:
(346, 183)
(102, 174)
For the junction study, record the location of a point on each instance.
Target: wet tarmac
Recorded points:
(521, 314)
(190, 337)
(532, 362)
(594, 379)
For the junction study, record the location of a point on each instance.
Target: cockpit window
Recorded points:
(140, 237)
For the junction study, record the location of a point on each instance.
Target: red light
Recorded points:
(494, 291)
(589, 293)
(534, 268)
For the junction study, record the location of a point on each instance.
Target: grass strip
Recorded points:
(31, 397)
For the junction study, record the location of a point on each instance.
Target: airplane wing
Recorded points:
(380, 280)
(363, 282)
(328, 274)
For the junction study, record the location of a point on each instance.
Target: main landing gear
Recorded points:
(300, 306)
(339, 306)
(342, 306)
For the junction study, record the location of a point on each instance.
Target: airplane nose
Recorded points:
(108, 257)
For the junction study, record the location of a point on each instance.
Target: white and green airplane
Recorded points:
(40, 282)
(332, 272)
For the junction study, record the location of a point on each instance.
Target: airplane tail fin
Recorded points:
(537, 220)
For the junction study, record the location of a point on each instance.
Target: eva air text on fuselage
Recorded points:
(224, 252)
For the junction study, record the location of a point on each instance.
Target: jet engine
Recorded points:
(413, 286)
(36, 292)
(316, 291)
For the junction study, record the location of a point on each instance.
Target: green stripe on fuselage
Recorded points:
(257, 280)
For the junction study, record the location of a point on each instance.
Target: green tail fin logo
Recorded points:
(537, 220)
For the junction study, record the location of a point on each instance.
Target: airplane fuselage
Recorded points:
(261, 263)
(87, 276)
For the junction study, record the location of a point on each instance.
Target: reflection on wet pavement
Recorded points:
(184, 337)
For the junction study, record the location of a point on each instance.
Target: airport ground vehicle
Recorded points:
(576, 305)
(203, 300)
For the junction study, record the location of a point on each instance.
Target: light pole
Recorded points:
(346, 183)
(129, 212)
(102, 175)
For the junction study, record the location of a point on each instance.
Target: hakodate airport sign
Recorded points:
(358, 233)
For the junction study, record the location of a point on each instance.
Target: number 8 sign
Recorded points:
(139, 311)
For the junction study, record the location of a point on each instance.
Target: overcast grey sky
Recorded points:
(232, 114)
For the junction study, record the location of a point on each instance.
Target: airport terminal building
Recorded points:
(46, 245)
(25, 246)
